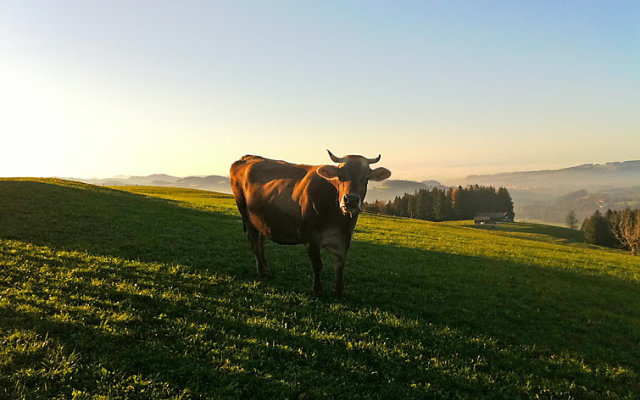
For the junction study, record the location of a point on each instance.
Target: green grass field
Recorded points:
(150, 293)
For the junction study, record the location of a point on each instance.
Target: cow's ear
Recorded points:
(328, 171)
(379, 174)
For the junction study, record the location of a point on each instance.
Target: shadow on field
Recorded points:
(531, 230)
(163, 303)
(116, 223)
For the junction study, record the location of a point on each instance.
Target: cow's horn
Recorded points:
(374, 160)
(336, 159)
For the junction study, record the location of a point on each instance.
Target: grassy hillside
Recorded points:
(150, 293)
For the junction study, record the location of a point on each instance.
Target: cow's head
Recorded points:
(350, 177)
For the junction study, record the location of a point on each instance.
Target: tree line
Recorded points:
(451, 204)
(617, 229)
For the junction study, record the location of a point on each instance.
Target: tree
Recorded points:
(598, 230)
(589, 228)
(572, 220)
(504, 202)
(388, 209)
(460, 203)
(425, 208)
(440, 205)
(626, 228)
(413, 206)
(401, 205)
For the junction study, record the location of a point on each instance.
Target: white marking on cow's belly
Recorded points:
(333, 241)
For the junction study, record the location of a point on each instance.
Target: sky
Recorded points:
(442, 89)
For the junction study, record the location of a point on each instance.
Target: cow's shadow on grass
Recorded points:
(144, 297)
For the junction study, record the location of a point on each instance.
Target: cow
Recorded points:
(313, 205)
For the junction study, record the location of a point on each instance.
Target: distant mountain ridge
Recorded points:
(386, 190)
(214, 183)
(549, 195)
(609, 175)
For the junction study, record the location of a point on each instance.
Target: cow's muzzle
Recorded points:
(351, 203)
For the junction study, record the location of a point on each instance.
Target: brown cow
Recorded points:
(314, 205)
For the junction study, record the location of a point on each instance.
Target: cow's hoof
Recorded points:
(341, 294)
(317, 292)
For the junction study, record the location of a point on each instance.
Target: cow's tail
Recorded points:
(237, 168)
(242, 207)
(241, 202)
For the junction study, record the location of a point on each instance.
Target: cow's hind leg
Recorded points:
(265, 268)
(256, 240)
(313, 250)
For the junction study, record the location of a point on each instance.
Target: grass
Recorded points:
(150, 293)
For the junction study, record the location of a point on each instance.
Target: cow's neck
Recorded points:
(350, 220)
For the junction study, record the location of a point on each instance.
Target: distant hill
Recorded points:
(155, 180)
(529, 206)
(214, 183)
(385, 191)
(550, 195)
(609, 175)
(534, 186)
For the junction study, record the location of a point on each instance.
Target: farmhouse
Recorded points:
(492, 218)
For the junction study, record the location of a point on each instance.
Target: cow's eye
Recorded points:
(342, 178)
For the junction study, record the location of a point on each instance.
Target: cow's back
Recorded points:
(254, 171)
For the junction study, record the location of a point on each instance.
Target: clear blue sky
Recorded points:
(442, 89)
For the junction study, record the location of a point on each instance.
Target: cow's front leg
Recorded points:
(340, 261)
(313, 250)
(338, 249)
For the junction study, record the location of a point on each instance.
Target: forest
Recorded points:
(451, 204)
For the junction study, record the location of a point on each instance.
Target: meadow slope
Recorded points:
(150, 293)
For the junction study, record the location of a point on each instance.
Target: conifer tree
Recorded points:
(597, 230)
(504, 202)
